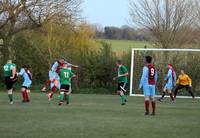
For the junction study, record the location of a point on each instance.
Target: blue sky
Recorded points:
(106, 12)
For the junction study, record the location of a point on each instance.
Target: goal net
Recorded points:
(181, 59)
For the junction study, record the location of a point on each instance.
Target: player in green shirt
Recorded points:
(10, 74)
(122, 78)
(65, 80)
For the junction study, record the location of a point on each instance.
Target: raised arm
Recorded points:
(54, 67)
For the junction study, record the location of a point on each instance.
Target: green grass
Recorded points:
(125, 45)
(97, 116)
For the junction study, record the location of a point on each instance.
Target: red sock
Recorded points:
(163, 95)
(23, 96)
(47, 84)
(153, 106)
(26, 96)
(53, 90)
(171, 96)
(147, 106)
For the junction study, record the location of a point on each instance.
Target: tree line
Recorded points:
(122, 33)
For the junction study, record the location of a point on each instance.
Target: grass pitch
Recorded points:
(97, 116)
(125, 45)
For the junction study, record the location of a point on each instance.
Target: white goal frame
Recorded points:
(154, 49)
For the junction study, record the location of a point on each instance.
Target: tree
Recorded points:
(113, 32)
(99, 30)
(19, 15)
(170, 21)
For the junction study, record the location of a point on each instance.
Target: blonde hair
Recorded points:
(9, 61)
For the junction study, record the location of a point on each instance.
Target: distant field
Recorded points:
(97, 116)
(125, 45)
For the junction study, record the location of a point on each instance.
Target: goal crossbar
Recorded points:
(154, 49)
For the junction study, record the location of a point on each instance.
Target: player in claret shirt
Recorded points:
(27, 82)
(122, 78)
(148, 83)
(54, 78)
(170, 82)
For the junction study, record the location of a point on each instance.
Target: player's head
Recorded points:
(25, 66)
(170, 66)
(61, 60)
(148, 59)
(119, 62)
(182, 72)
(9, 61)
(65, 65)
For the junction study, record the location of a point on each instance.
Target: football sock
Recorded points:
(26, 95)
(47, 84)
(53, 90)
(23, 96)
(163, 95)
(68, 98)
(171, 96)
(123, 98)
(61, 97)
(153, 106)
(147, 106)
(10, 96)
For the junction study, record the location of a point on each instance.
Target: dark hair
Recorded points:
(119, 62)
(63, 58)
(148, 59)
(25, 66)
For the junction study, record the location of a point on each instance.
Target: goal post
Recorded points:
(186, 59)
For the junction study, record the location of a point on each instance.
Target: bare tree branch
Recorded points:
(168, 20)
(16, 14)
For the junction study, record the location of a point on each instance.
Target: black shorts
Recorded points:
(25, 87)
(65, 88)
(122, 86)
(9, 82)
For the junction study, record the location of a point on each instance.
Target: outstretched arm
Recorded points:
(122, 75)
(75, 66)
(21, 72)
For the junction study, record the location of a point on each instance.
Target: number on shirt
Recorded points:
(66, 74)
(6, 68)
(152, 72)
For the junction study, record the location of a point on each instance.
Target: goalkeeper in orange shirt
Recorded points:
(184, 81)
